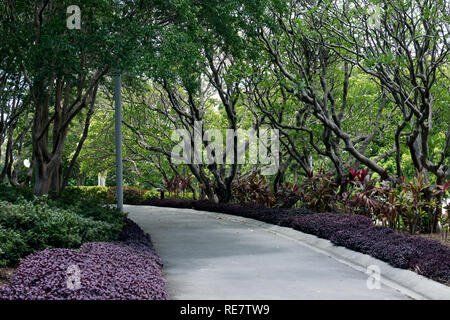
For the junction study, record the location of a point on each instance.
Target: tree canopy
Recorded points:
(347, 84)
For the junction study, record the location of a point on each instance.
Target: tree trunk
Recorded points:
(48, 165)
(48, 177)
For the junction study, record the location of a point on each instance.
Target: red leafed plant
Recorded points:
(287, 196)
(358, 174)
(319, 192)
(178, 184)
(411, 205)
(252, 190)
(443, 187)
(370, 198)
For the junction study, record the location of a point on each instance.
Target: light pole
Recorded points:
(118, 129)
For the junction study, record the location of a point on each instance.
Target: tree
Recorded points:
(407, 52)
(62, 68)
(313, 85)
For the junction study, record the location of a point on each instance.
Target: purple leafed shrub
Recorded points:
(271, 215)
(206, 205)
(427, 257)
(128, 269)
(172, 203)
(325, 224)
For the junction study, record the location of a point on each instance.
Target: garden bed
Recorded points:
(120, 270)
(427, 257)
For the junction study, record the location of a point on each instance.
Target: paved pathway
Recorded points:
(211, 257)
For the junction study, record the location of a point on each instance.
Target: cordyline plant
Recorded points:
(252, 190)
(178, 184)
(287, 196)
(319, 192)
(420, 205)
(412, 205)
(365, 196)
(444, 223)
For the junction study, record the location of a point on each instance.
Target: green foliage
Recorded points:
(153, 194)
(418, 203)
(170, 44)
(83, 198)
(11, 194)
(12, 246)
(97, 154)
(41, 225)
(89, 192)
(64, 221)
(131, 195)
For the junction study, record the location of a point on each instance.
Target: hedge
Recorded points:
(12, 246)
(29, 226)
(131, 195)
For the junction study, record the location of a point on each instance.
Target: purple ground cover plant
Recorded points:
(427, 257)
(122, 270)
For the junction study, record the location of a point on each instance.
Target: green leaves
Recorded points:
(40, 223)
(12, 246)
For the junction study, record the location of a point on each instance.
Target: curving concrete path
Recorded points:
(208, 256)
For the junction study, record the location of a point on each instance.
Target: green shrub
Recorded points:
(59, 220)
(153, 194)
(41, 225)
(84, 193)
(99, 231)
(12, 247)
(12, 194)
(131, 195)
(106, 195)
(90, 208)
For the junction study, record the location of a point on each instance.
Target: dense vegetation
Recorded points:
(44, 236)
(359, 91)
(352, 84)
(28, 225)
